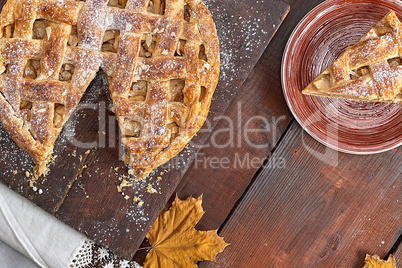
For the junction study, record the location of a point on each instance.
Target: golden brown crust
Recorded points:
(156, 112)
(370, 70)
(161, 59)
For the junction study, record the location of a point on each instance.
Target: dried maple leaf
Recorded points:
(174, 240)
(376, 262)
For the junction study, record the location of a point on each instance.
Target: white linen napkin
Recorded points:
(44, 240)
(10, 258)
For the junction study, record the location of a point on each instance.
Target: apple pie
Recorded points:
(161, 58)
(370, 70)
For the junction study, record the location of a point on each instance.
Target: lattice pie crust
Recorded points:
(370, 70)
(161, 58)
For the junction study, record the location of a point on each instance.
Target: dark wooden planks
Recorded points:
(220, 193)
(398, 254)
(260, 96)
(94, 206)
(238, 146)
(325, 209)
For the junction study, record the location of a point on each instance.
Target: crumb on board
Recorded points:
(140, 204)
(15, 172)
(123, 184)
(150, 189)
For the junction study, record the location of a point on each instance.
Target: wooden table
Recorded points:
(294, 210)
(276, 203)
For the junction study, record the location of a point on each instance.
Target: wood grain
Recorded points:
(272, 59)
(318, 211)
(258, 116)
(398, 254)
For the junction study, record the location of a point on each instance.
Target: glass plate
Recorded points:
(320, 38)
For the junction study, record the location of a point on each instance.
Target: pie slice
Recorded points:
(161, 58)
(370, 70)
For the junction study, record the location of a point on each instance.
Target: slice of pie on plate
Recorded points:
(370, 70)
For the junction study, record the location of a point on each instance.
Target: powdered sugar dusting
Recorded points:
(16, 158)
(239, 35)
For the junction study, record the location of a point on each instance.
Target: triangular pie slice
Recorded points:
(370, 70)
(165, 75)
(43, 71)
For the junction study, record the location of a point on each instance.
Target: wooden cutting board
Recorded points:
(82, 186)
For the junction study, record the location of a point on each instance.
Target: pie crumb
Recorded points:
(15, 172)
(140, 204)
(150, 189)
(123, 184)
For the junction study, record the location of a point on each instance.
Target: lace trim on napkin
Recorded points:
(90, 255)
